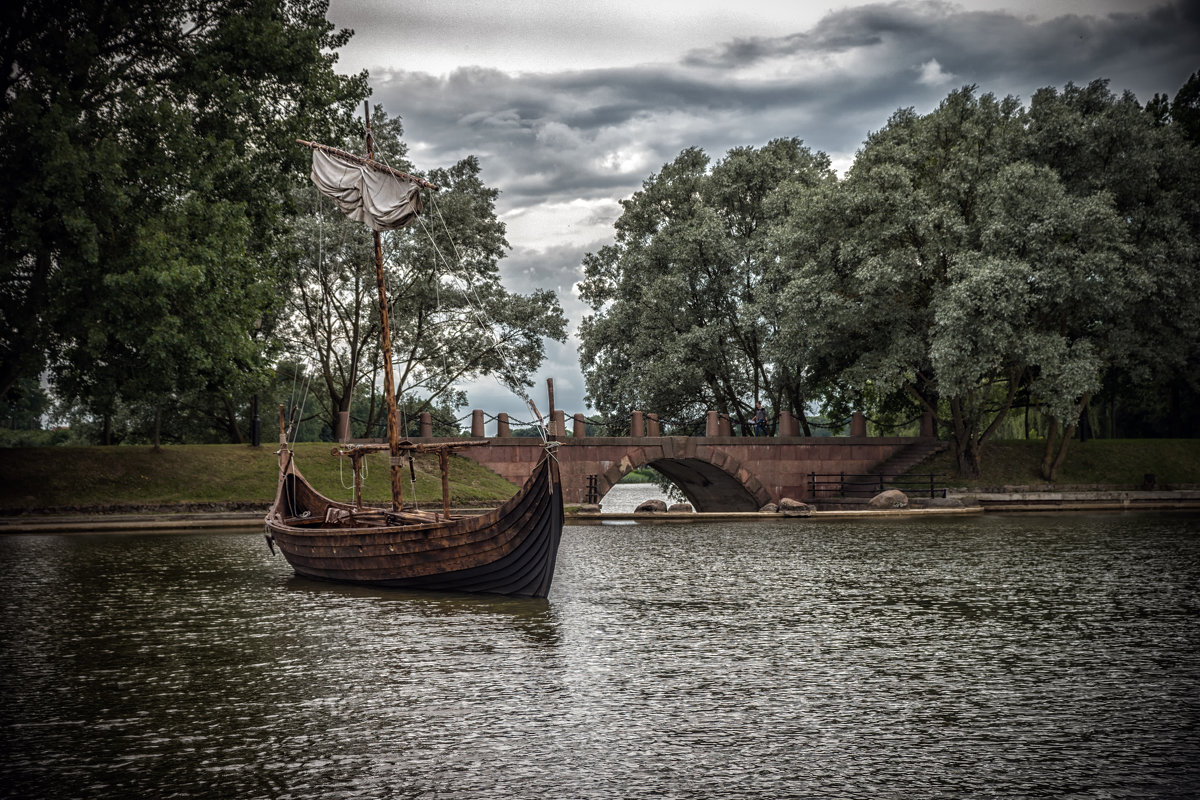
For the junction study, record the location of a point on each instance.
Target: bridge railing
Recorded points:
(845, 484)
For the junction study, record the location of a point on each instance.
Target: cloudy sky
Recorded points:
(571, 105)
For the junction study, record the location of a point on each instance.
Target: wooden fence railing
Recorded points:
(845, 484)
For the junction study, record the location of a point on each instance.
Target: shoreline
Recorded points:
(157, 518)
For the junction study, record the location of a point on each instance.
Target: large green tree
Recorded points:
(148, 155)
(681, 322)
(1147, 162)
(949, 270)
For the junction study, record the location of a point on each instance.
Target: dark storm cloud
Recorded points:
(988, 41)
(557, 267)
(564, 133)
(590, 133)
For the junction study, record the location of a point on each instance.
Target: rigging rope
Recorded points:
(475, 307)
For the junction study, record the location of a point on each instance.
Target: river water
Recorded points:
(996, 656)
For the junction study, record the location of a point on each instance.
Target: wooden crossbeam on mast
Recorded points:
(370, 161)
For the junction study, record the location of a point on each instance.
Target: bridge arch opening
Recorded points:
(706, 486)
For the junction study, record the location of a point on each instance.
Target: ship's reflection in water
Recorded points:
(998, 656)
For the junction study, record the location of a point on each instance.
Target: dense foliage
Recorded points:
(979, 257)
(161, 249)
(148, 156)
(683, 298)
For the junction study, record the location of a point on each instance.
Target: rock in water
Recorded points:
(794, 508)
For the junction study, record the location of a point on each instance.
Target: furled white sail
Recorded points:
(377, 199)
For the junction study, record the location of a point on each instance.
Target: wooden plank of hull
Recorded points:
(511, 550)
(368, 555)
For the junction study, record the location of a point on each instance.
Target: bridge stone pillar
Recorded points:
(788, 425)
(502, 430)
(426, 425)
(858, 424)
(637, 428)
(724, 425)
(652, 428)
(477, 423)
(558, 425)
(712, 426)
(580, 426)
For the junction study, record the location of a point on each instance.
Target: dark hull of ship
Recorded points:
(509, 551)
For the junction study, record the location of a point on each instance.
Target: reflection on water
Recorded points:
(1050, 656)
(623, 498)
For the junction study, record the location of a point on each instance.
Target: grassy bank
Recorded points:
(236, 476)
(1110, 462)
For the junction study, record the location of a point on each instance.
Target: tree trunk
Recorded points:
(966, 448)
(106, 433)
(157, 428)
(235, 434)
(1050, 453)
(1062, 453)
(372, 411)
(255, 424)
(1056, 451)
(1175, 411)
(967, 454)
(797, 408)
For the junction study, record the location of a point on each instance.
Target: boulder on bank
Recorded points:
(794, 508)
(651, 507)
(769, 508)
(891, 498)
(681, 508)
(588, 508)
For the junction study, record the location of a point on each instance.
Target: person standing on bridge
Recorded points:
(760, 419)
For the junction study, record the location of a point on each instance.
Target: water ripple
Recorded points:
(996, 657)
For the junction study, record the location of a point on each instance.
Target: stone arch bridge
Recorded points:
(715, 473)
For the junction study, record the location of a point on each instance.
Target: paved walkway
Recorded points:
(1067, 499)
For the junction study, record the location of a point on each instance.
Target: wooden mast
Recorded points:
(389, 389)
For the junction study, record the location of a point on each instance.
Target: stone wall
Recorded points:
(716, 473)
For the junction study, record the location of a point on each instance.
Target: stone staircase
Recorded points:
(910, 457)
(907, 459)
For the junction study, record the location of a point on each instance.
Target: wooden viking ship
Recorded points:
(510, 550)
